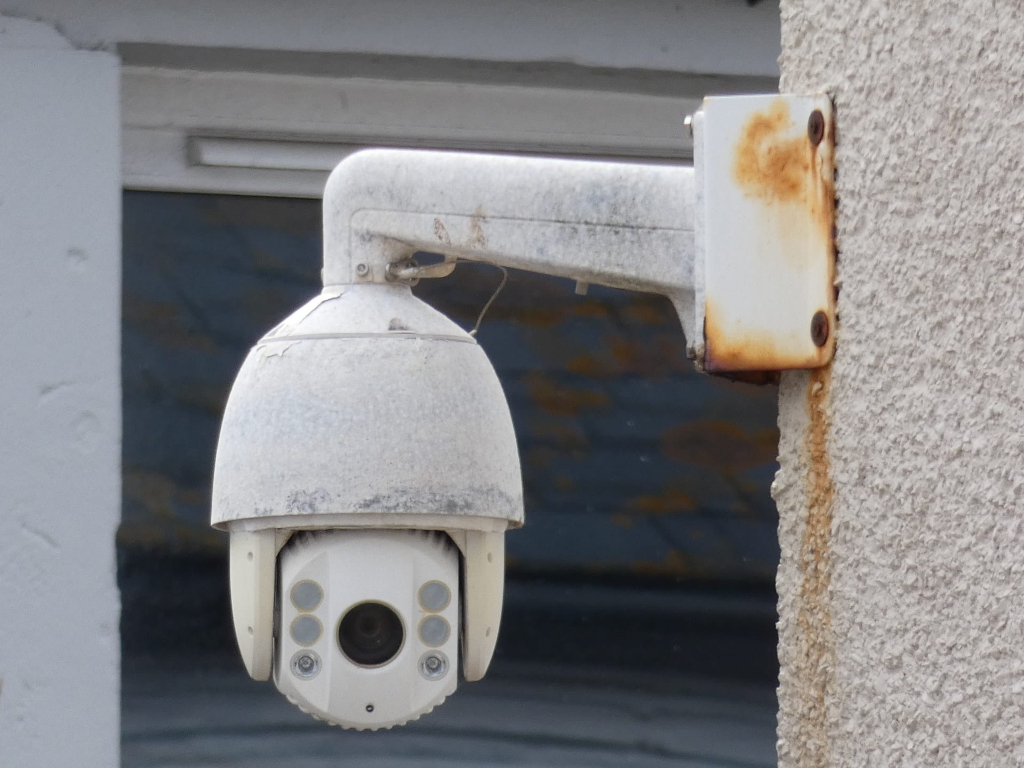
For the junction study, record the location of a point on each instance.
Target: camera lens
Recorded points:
(371, 634)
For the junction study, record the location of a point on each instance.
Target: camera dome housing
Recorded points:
(367, 402)
(366, 409)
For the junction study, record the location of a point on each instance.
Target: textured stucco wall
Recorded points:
(60, 419)
(900, 494)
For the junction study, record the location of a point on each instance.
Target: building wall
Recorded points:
(901, 485)
(60, 409)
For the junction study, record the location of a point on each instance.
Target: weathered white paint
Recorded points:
(902, 484)
(60, 407)
(397, 379)
(712, 36)
(617, 224)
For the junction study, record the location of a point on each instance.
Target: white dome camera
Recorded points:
(366, 472)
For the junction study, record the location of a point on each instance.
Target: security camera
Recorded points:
(367, 468)
(366, 473)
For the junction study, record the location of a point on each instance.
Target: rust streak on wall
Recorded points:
(814, 617)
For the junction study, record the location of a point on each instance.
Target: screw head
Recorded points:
(433, 665)
(816, 127)
(819, 329)
(362, 269)
(305, 664)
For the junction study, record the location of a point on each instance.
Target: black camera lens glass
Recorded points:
(371, 634)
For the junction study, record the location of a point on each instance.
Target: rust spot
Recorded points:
(791, 175)
(590, 365)
(166, 323)
(560, 400)
(564, 483)
(568, 437)
(590, 309)
(675, 563)
(531, 316)
(477, 238)
(819, 328)
(441, 233)
(667, 502)
(814, 615)
(658, 357)
(814, 194)
(622, 521)
(734, 349)
(720, 444)
(766, 165)
(651, 313)
(556, 439)
(816, 127)
(771, 164)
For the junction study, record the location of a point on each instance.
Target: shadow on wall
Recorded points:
(637, 470)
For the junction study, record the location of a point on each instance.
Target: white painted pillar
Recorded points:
(901, 493)
(60, 420)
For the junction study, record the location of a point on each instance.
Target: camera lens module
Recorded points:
(354, 641)
(371, 634)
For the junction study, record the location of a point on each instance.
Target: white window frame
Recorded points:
(274, 134)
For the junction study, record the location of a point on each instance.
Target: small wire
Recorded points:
(480, 319)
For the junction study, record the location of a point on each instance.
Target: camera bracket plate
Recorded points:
(764, 228)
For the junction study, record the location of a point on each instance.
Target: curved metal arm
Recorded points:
(620, 225)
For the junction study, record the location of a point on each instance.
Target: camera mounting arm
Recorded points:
(741, 243)
(625, 226)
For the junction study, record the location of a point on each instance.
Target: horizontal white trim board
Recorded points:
(273, 134)
(704, 36)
